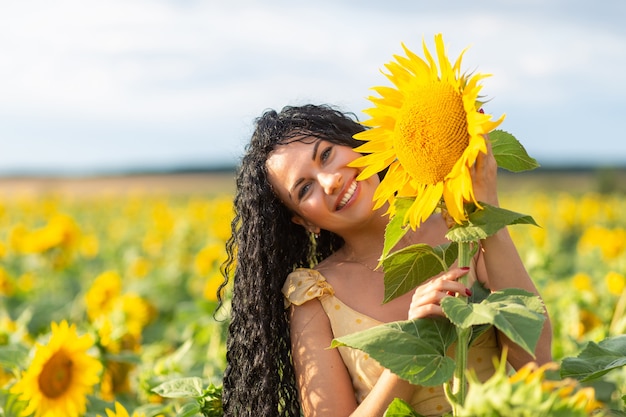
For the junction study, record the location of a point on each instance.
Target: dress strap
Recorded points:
(303, 285)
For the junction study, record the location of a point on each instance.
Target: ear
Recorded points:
(310, 227)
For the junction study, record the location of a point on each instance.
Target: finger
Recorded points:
(431, 310)
(488, 142)
(428, 295)
(454, 274)
(448, 283)
(453, 288)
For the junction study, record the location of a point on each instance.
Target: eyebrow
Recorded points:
(317, 145)
(300, 180)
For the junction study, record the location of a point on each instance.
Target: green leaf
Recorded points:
(189, 410)
(13, 356)
(479, 293)
(596, 359)
(400, 408)
(149, 409)
(515, 312)
(465, 315)
(486, 222)
(415, 350)
(190, 387)
(406, 268)
(509, 152)
(395, 228)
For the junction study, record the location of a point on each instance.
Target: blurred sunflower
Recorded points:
(60, 376)
(209, 258)
(582, 282)
(212, 285)
(428, 131)
(615, 282)
(528, 392)
(120, 411)
(103, 293)
(7, 284)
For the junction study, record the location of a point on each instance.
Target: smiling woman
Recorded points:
(314, 181)
(307, 236)
(265, 247)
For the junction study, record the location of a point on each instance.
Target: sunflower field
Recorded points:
(108, 302)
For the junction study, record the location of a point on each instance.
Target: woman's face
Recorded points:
(313, 179)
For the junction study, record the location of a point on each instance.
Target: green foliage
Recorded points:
(485, 222)
(158, 326)
(408, 267)
(396, 227)
(516, 313)
(596, 359)
(415, 350)
(509, 152)
(528, 396)
(180, 388)
(12, 355)
(206, 401)
(400, 408)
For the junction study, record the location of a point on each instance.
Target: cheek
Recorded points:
(312, 207)
(351, 156)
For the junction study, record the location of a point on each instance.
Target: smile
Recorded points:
(347, 196)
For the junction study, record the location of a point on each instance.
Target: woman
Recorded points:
(305, 236)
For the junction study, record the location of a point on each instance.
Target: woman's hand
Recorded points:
(484, 176)
(426, 298)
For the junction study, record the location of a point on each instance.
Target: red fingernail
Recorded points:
(465, 268)
(450, 293)
(468, 292)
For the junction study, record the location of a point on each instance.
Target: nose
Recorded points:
(330, 182)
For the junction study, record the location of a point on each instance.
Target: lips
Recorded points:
(347, 196)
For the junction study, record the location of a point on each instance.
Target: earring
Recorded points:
(317, 235)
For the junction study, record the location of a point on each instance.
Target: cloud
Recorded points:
(183, 70)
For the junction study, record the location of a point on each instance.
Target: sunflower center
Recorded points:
(56, 375)
(431, 132)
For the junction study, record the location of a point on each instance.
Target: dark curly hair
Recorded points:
(264, 248)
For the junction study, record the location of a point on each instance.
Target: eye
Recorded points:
(326, 154)
(304, 190)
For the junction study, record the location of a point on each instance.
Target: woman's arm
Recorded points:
(502, 267)
(323, 381)
(499, 265)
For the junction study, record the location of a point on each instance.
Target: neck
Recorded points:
(365, 244)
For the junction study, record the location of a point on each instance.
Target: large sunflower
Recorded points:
(60, 376)
(428, 131)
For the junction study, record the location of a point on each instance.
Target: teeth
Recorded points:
(347, 195)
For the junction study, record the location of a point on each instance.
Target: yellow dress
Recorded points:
(303, 285)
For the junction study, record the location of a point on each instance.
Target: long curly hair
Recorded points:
(265, 246)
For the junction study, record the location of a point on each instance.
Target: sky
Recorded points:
(91, 87)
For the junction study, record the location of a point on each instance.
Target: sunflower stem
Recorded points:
(465, 254)
(459, 383)
(465, 257)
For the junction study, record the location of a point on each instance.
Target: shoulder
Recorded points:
(305, 284)
(303, 289)
(309, 316)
